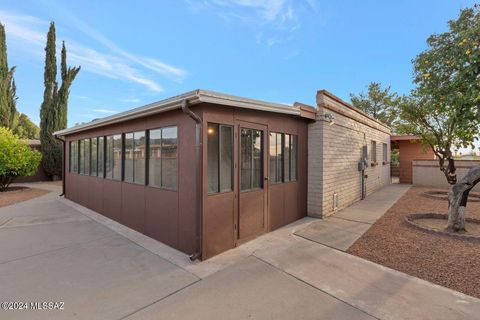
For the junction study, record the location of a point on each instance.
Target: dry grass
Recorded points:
(19, 194)
(450, 262)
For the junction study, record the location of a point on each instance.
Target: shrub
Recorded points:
(16, 158)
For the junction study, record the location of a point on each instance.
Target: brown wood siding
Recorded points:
(165, 215)
(286, 203)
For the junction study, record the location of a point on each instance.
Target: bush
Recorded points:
(16, 158)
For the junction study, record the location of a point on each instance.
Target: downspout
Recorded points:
(198, 177)
(63, 166)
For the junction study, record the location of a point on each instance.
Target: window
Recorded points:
(385, 153)
(94, 159)
(219, 158)
(283, 157)
(100, 153)
(113, 163)
(134, 153)
(276, 158)
(117, 157)
(293, 157)
(81, 149)
(128, 160)
(109, 158)
(373, 152)
(73, 165)
(287, 148)
(162, 163)
(86, 143)
(251, 159)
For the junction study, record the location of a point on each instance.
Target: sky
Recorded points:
(133, 53)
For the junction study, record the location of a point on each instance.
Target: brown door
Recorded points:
(252, 181)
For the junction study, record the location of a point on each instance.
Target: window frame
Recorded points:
(373, 152)
(292, 139)
(385, 153)
(134, 159)
(219, 127)
(262, 161)
(148, 156)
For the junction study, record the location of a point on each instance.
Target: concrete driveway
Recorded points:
(54, 250)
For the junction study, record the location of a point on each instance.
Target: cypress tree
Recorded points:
(53, 111)
(8, 98)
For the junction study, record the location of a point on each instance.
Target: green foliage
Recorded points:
(53, 111)
(443, 109)
(379, 102)
(16, 159)
(8, 97)
(25, 128)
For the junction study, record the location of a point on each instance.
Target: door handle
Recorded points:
(265, 178)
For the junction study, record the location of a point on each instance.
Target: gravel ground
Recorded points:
(11, 197)
(446, 261)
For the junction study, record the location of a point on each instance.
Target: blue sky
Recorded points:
(136, 52)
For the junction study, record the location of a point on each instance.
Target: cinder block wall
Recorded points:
(334, 152)
(426, 173)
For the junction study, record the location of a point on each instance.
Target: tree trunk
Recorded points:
(457, 200)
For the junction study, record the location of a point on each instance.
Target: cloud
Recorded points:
(273, 20)
(116, 64)
(131, 100)
(104, 111)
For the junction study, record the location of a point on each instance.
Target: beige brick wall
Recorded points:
(426, 173)
(334, 152)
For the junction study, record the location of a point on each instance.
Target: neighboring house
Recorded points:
(410, 149)
(204, 172)
(40, 174)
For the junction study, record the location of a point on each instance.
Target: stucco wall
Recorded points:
(334, 152)
(409, 151)
(427, 173)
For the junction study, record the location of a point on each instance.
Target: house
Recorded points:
(204, 172)
(410, 149)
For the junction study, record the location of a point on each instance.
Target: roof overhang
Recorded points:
(193, 97)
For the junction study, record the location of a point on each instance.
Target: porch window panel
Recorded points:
(154, 161)
(94, 157)
(257, 160)
(226, 158)
(273, 158)
(82, 156)
(109, 158)
(139, 142)
(246, 159)
(101, 156)
(287, 155)
(293, 157)
(213, 163)
(169, 164)
(87, 157)
(128, 158)
(117, 157)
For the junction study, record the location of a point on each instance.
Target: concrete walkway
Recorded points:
(342, 229)
(55, 250)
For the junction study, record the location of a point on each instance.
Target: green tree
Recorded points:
(25, 128)
(16, 159)
(8, 97)
(444, 108)
(380, 103)
(53, 111)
